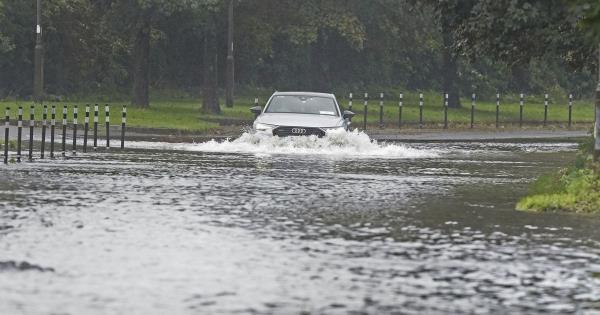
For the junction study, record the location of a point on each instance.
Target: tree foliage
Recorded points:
(134, 47)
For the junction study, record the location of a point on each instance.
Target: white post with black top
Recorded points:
(74, 150)
(400, 105)
(64, 130)
(445, 110)
(95, 127)
(19, 132)
(124, 122)
(545, 109)
(44, 118)
(52, 130)
(421, 110)
(107, 123)
(86, 127)
(6, 131)
(366, 103)
(473, 96)
(31, 126)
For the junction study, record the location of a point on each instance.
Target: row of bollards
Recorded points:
(75, 124)
(445, 109)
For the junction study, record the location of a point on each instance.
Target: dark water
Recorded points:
(157, 232)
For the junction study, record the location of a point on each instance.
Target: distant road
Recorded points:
(460, 136)
(135, 134)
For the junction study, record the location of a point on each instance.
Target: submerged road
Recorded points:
(293, 226)
(138, 134)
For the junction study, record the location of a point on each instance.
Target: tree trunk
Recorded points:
(141, 65)
(230, 65)
(318, 75)
(519, 77)
(450, 75)
(210, 99)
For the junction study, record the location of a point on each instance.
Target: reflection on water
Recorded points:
(205, 230)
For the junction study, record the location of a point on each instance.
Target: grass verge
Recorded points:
(186, 114)
(572, 189)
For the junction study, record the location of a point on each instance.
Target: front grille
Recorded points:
(297, 131)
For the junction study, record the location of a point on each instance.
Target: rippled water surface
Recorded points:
(253, 225)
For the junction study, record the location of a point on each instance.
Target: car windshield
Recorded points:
(302, 104)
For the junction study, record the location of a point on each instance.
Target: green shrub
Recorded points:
(574, 190)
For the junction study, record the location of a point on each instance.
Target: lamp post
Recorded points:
(596, 154)
(38, 76)
(230, 69)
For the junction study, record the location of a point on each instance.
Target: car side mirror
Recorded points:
(348, 114)
(256, 110)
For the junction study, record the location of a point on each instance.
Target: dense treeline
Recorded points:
(133, 47)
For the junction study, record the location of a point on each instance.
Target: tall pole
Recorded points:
(230, 69)
(596, 154)
(38, 76)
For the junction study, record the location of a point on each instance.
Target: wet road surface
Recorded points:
(332, 226)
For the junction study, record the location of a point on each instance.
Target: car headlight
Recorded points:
(263, 127)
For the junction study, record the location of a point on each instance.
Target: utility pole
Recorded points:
(596, 154)
(230, 69)
(38, 76)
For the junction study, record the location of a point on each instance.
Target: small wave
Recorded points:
(352, 144)
(22, 266)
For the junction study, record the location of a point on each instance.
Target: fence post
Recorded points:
(380, 110)
(497, 110)
(366, 103)
(473, 96)
(31, 126)
(19, 132)
(6, 130)
(75, 130)
(44, 118)
(570, 107)
(350, 103)
(86, 126)
(545, 109)
(52, 129)
(124, 121)
(521, 104)
(64, 130)
(95, 127)
(445, 110)
(107, 122)
(400, 103)
(420, 110)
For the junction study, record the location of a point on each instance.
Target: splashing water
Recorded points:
(335, 144)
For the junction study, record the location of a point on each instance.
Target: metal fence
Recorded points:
(49, 125)
(444, 108)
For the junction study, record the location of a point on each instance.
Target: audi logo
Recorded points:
(299, 130)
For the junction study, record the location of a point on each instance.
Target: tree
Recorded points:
(142, 18)
(450, 14)
(126, 48)
(518, 31)
(210, 99)
(588, 14)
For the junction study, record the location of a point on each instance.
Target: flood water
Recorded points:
(286, 226)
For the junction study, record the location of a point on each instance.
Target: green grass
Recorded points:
(573, 189)
(186, 115)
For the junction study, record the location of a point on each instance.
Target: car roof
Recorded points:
(305, 94)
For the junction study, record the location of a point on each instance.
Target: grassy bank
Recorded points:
(186, 115)
(572, 189)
